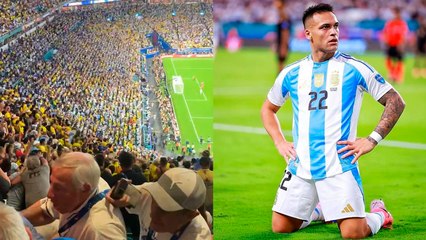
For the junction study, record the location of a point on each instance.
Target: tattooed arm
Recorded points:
(394, 106)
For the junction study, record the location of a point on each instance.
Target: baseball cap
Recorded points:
(17, 145)
(34, 150)
(177, 189)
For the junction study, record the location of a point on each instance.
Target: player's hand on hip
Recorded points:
(356, 148)
(286, 149)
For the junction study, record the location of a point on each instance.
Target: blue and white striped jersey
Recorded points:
(326, 99)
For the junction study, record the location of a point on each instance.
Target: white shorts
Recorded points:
(341, 196)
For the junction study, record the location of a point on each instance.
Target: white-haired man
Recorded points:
(11, 224)
(76, 198)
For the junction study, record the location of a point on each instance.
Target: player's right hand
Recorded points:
(286, 149)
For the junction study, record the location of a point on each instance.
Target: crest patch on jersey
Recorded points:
(318, 80)
(334, 78)
(379, 79)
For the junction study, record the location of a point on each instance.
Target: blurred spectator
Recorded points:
(105, 172)
(16, 194)
(205, 153)
(394, 35)
(153, 170)
(163, 166)
(233, 41)
(419, 69)
(11, 224)
(283, 33)
(195, 164)
(35, 179)
(4, 184)
(207, 175)
(127, 160)
(145, 171)
(187, 164)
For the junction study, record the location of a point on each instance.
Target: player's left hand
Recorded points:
(356, 148)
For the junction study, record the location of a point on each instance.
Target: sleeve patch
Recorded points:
(379, 78)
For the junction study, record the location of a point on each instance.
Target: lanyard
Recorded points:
(77, 216)
(151, 233)
(177, 236)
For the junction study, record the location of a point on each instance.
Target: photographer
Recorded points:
(169, 207)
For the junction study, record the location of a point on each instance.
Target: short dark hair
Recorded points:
(205, 153)
(205, 162)
(318, 8)
(186, 164)
(100, 159)
(126, 159)
(163, 161)
(396, 9)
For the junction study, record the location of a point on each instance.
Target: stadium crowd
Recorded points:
(170, 127)
(70, 86)
(74, 62)
(15, 13)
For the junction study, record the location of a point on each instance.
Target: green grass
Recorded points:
(194, 111)
(248, 167)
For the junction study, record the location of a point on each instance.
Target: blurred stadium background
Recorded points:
(249, 167)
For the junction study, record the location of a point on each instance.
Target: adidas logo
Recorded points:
(348, 209)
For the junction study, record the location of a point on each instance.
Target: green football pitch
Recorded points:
(248, 168)
(194, 109)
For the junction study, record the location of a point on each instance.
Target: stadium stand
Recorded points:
(15, 13)
(76, 80)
